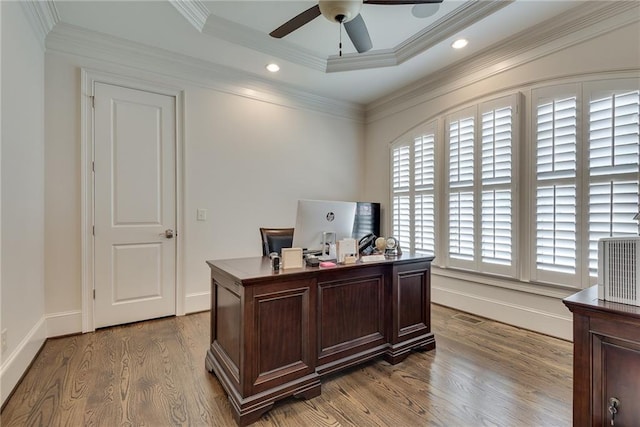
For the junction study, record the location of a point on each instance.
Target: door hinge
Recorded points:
(93, 101)
(94, 294)
(93, 166)
(93, 230)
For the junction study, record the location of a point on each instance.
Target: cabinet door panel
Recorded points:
(620, 380)
(351, 315)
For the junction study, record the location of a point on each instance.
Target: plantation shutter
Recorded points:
(413, 190)
(461, 188)
(401, 169)
(424, 193)
(556, 186)
(497, 168)
(614, 164)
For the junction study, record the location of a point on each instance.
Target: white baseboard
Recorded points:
(64, 323)
(196, 302)
(506, 312)
(16, 364)
(70, 322)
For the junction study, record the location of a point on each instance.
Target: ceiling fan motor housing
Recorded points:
(340, 10)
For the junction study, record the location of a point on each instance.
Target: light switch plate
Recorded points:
(201, 215)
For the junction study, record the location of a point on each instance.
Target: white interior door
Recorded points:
(135, 205)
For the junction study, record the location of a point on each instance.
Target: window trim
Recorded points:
(539, 95)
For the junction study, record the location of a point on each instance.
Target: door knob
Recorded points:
(168, 233)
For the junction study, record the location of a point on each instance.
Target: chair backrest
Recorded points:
(274, 239)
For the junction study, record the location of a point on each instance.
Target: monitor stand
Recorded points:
(328, 239)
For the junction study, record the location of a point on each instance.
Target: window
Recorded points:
(424, 193)
(556, 184)
(461, 192)
(614, 163)
(413, 191)
(402, 212)
(481, 186)
(497, 179)
(579, 183)
(603, 172)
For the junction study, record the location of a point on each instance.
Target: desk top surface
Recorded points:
(587, 299)
(260, 267)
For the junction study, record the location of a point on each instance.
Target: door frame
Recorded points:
(88, 79)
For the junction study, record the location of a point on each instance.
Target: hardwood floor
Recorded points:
(152, 374)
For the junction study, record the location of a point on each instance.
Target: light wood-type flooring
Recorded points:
(153, 374)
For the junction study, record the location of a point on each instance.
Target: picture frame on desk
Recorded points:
(291, 258)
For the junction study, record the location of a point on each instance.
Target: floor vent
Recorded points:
(468, 319)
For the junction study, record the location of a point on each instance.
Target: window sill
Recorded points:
(537, 288)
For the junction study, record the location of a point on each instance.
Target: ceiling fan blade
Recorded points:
(395, 2)
(358, 33)
(296, 22)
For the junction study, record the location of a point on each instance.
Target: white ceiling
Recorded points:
(235, 34)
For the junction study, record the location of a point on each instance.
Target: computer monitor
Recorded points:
(315, 217)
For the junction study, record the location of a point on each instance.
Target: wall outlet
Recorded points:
(201, 214)
(3, 345)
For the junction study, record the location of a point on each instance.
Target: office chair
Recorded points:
(274, 239)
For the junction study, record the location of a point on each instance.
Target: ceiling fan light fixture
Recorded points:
(340, 10)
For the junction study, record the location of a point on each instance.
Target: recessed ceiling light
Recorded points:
(459, 44)
(274, 68)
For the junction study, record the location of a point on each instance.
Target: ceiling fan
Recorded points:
(345, 12)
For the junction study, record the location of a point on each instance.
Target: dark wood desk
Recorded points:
(275, 334)
(606, 360)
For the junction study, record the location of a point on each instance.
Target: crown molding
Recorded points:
(248, 37)
(455, 21)
(72, 40)
(463, 16)
(361, 61)
(193, 11)
(572, 27)
(42, 15)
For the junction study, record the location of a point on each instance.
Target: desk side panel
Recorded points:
(228, 318)
(226, 329)
(411, 310)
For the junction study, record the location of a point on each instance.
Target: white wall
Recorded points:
(246, 161)
(511, 302)
(22, 194)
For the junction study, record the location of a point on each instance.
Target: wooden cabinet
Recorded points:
(606, 361)
(275, 334)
